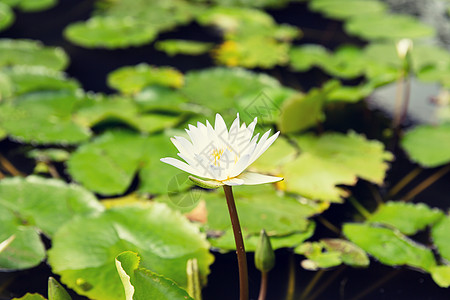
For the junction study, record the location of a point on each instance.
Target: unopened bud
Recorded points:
(404, 47)
(264, 255)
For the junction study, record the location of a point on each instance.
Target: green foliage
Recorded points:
(6, 16)
(141, 284)
(186, 47)
(387, 26)
(120, 24)
(225, 86)
(133, 79)
(389, 246)
(163, 238)
(32, 53)
(440, 232)
(408, 218)
(56, 290)
(427, 145)
(329, 253)
(43, 117)
(36, 205)
(334, 159)
(345, 9)
(29, 296)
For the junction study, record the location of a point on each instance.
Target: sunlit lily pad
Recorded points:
(390, 247)
(141, 284)
(34, 205)
(440, 233)
(6, 86)
(110, 32)
(43, 117)
(186, 47)
(304, 111)
(344, 9)
(428, 145)
(329, 253)
(263, 52)
(161, 98)
(35, 5)
(385, 26)
(27, 79)
(132, 79)
(334, 159)
(123, 110)
(163, 238)
(32, 53)
(441, 275)
(304, 57)
(406, 217)
(225, 86)
(121, 24)
(6, 16)
(108, 164)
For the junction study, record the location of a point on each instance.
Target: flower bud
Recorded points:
(264, 255)
(404, 47)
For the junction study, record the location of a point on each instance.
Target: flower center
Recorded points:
(216, 154)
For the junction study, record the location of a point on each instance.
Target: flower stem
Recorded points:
(263, 287)
(426, 183)
(240, 249)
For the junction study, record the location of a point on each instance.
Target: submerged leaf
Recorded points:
(186, 47)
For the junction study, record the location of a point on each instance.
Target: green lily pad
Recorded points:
(29, 296)
(428, 145)
(329, 253)
(351, 94)
(110, 32)
(284, 218)
(345, 9)
(25, 214)
(56, 291)
(389, 247)
(149, 99)
(43, 117)
(35, 5)
(408, 218)
(441, 275)
(346, 62)
(123, 110)
(334, 159)
(141, 284)
(440, 233)
(304, 57)
(186, 47)
(279, 153)
(226, 241)
(304, 111)
(163, 238)
(387, 26)
(108, 164)
(225, 86)
(123, 24)
(26, 79)
(32, 53)
(6, 16)
(50, 154)
(133, 79)
(252, 52)
(6, 86)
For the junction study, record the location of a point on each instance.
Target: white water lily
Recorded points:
(222, 155)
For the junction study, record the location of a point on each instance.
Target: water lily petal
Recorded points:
(181, 165)
(221, 128)
(264, 145)
(233, 181)
(256, 178)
